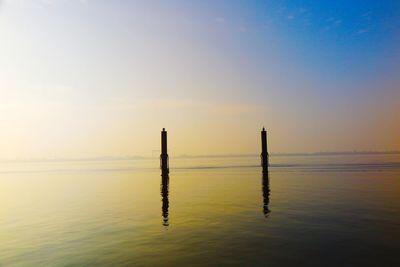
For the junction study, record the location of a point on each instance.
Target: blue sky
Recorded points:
(320, 75)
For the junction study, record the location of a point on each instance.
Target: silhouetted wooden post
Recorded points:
(264, 151)
(164, 154)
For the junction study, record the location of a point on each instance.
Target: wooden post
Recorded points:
(264, 151)
(164, 154)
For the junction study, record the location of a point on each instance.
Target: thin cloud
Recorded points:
(220, 20)
(243, 28)
(303, 10)
(338, 22)
(361, 31)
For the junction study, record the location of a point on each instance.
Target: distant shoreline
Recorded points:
(122, 158)
(298, 154)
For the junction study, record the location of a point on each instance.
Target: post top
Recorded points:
(263, 129)
(163, 129)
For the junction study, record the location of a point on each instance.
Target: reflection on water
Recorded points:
(107, 213)
(265, 189)
(164, 198)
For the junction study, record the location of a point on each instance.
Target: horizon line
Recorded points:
(137, 157)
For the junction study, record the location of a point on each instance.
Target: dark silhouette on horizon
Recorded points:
(265, 173)
(266, 193)
(164, 198)
(164, 153)
(264, 151)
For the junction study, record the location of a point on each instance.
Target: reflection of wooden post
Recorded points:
(265, 187)
(164, 154)
(164, 198)
(264, 151)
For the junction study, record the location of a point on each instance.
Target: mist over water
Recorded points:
(332, 210)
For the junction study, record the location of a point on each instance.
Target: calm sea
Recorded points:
(340, 210)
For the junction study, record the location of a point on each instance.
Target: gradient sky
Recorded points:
(83, 78)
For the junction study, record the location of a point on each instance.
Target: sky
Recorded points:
(90, 78)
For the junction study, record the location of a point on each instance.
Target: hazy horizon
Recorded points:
(93, 78)
(188, 156)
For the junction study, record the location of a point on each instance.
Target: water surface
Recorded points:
(338, 210)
